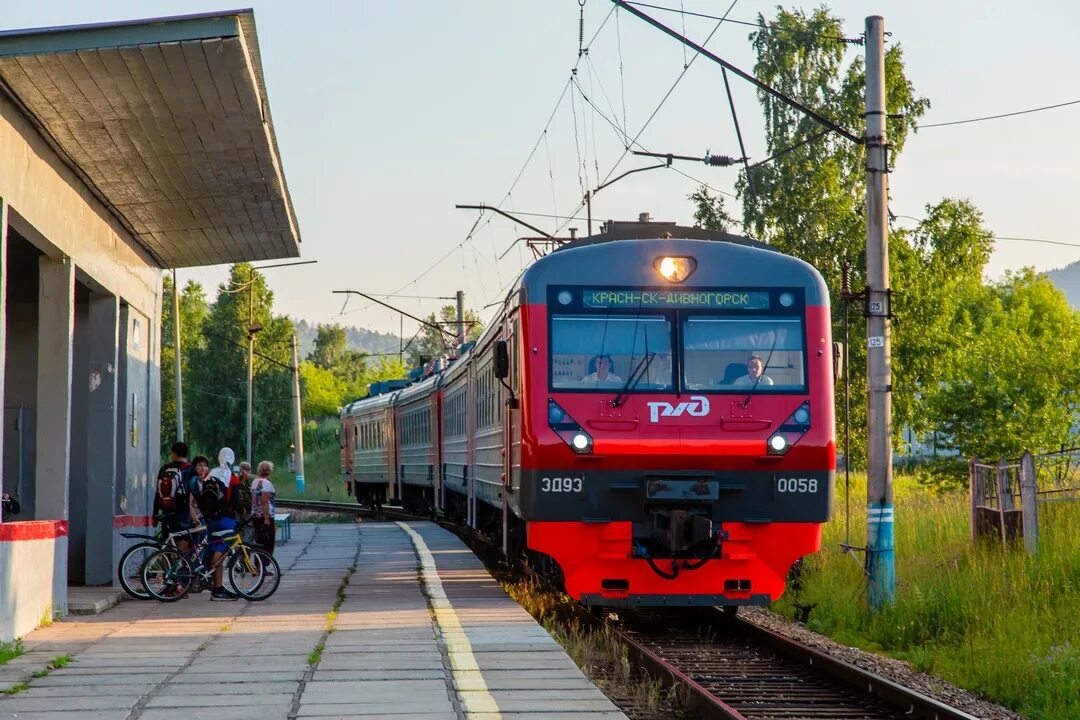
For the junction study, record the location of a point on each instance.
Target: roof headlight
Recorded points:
(675, 269)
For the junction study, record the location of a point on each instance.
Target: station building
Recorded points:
(125, 149)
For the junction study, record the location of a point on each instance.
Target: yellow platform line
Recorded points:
(477, 699)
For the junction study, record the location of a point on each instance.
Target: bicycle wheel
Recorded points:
(129, 569)
(256, 577)
(167, 575)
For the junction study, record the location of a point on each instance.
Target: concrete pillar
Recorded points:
(104, 340)
(3, 330)
(56, 324)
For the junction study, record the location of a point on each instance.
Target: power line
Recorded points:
(1003, 115)
(758, 25)
(532, 153)
(1002, 237)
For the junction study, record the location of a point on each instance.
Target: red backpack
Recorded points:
(171, 490)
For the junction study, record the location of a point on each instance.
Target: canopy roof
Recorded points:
(168, 122)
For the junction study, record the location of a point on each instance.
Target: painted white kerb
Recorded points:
(460, 652)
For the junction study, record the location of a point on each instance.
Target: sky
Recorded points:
(389, 113)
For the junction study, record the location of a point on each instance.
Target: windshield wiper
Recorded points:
(632, 381)
(746, 400)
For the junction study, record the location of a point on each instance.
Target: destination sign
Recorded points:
(718, 299)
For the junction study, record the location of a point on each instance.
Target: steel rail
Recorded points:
(747, 672)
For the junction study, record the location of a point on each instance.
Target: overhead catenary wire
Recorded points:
(1002, 237)
(638, 144)
(528, 159)
(748, 23)
(999, 116)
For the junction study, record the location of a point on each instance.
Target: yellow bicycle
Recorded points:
(254, 574)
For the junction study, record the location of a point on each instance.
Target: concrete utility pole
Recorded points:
(252, 328)
(176, 349)
(298, 419)
(880, 554)
(461, 317)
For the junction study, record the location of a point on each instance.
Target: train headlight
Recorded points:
(568, 429)
(790, 431)
(675, 269)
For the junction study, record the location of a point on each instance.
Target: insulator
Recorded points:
(845, 279)
(581, 31)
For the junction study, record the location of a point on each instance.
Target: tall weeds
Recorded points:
(993, 620)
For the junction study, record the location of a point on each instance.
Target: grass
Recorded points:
(322, 466)
(995, 621)
(16, 688)
(316, 654)
(599, 653)
(11, 650)
(331, 618)
(57, 662)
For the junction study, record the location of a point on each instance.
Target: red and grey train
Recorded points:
(606, 424)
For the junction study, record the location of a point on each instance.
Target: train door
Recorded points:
(470, 475)
(506, 371)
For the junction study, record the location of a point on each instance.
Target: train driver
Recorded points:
(755, 373)
(602, 366)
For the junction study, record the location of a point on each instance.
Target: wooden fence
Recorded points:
(1005, 497)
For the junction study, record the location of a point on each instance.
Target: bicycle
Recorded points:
(168, 574)
(129, 568)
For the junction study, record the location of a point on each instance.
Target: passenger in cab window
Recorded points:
(601, 366)
(755, 373)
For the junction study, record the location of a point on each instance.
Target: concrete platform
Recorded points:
(422, 631)
(92, 600)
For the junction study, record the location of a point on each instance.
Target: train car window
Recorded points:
(599, 352)
(718, 353)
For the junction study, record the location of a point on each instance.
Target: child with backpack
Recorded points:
(172, 510)
(210, 496)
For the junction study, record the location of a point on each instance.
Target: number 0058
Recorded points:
(796, 485)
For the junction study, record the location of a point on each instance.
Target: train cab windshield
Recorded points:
(736, 353)
(600, 352)
(691, 348)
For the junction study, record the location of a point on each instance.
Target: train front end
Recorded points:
(678, 439)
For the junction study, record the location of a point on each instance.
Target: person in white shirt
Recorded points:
(603, 373)
(755, 373)
(263, 496)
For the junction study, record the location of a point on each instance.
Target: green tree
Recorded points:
(386, 368)
(809, 202)
(219, 369)
(1016, 386)
(193, 313)
(430, 343)
(936, 272)
(709, 211)
(323, 391)
(330, 343)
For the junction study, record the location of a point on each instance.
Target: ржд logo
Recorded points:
(697, 406)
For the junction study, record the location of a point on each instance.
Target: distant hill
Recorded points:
(359, 339)
(1067, 280)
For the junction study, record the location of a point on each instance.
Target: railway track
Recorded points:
(735, 670)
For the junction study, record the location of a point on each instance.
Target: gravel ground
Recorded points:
(896, 670)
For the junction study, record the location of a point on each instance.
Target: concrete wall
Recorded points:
(47, 205)
(33, 575)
